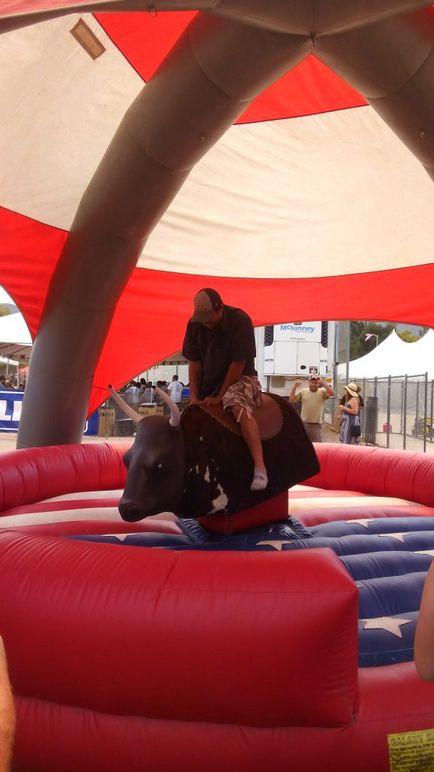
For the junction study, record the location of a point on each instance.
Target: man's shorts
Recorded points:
(246, 392)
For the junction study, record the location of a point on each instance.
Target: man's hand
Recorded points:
(211, 401)
(296, 385)
(194, 401)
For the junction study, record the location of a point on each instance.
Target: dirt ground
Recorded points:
(8, 440)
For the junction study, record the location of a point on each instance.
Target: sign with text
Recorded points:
(298, 331)
(11, 403)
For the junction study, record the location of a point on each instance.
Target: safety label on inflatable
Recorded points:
(412, 751)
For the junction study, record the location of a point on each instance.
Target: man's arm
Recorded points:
(233, 374)
(424, 638)
(194, 374)
(329, 390)
(7, 713)
(293, 397)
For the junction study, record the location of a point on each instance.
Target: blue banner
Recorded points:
(11, 403)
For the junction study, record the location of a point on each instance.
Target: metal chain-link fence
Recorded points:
(397, 412)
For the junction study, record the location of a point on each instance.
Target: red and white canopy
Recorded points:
(309, 206)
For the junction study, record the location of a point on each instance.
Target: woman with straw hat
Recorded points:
(349, 410)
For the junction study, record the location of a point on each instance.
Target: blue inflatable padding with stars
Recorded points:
(388, 558)
(376, 564)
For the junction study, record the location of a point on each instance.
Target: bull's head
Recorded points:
(155, 463)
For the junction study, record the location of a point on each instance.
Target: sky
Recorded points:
(4, 297)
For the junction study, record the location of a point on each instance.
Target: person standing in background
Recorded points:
(175, 389)
(312, 404)
(131, 394)
(350, 421)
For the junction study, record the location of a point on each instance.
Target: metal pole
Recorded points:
(431, 412)
(401, 403)
(417, 410)
(425, 411)
(404, 410)
(389, 386)
(335, 357)
(347, 354)
(376, 410)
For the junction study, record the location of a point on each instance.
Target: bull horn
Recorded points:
(175, 416)
(127, 409)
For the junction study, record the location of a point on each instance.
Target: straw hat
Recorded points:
(351, 388)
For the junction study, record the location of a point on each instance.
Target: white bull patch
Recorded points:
(219, 503)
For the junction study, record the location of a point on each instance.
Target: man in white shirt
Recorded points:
(312, 404)
(131, 394)
(175, 389)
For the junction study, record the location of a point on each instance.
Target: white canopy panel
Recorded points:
(394, 357)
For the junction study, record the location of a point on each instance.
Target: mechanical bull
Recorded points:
(198, 464)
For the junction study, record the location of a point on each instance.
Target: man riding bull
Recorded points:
(219, 345)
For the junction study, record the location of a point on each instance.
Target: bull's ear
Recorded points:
(175, 415)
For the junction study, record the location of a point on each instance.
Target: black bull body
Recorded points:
(202, 465)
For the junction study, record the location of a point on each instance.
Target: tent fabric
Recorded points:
(13, 329)
(309, 206)
(394, 357)
(15, 338)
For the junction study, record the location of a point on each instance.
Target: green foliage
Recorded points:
(408, 336)
(358, 330)
(358, 346)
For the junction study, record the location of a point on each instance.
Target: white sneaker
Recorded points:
(260, 480)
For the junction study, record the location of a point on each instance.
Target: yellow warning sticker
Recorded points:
(411, 751)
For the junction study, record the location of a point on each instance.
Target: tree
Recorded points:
(359, 346)
(358, 331)
(408, 336)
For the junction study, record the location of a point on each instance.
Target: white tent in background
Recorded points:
(15, 338)
(394, 357)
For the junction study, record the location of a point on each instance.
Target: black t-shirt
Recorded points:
(231, 341)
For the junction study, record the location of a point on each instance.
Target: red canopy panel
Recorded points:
(308, 89)
(310, 207)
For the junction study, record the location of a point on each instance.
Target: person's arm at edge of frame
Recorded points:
(293, 397)
(424, 638)
(194, 373)
(7, 713)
